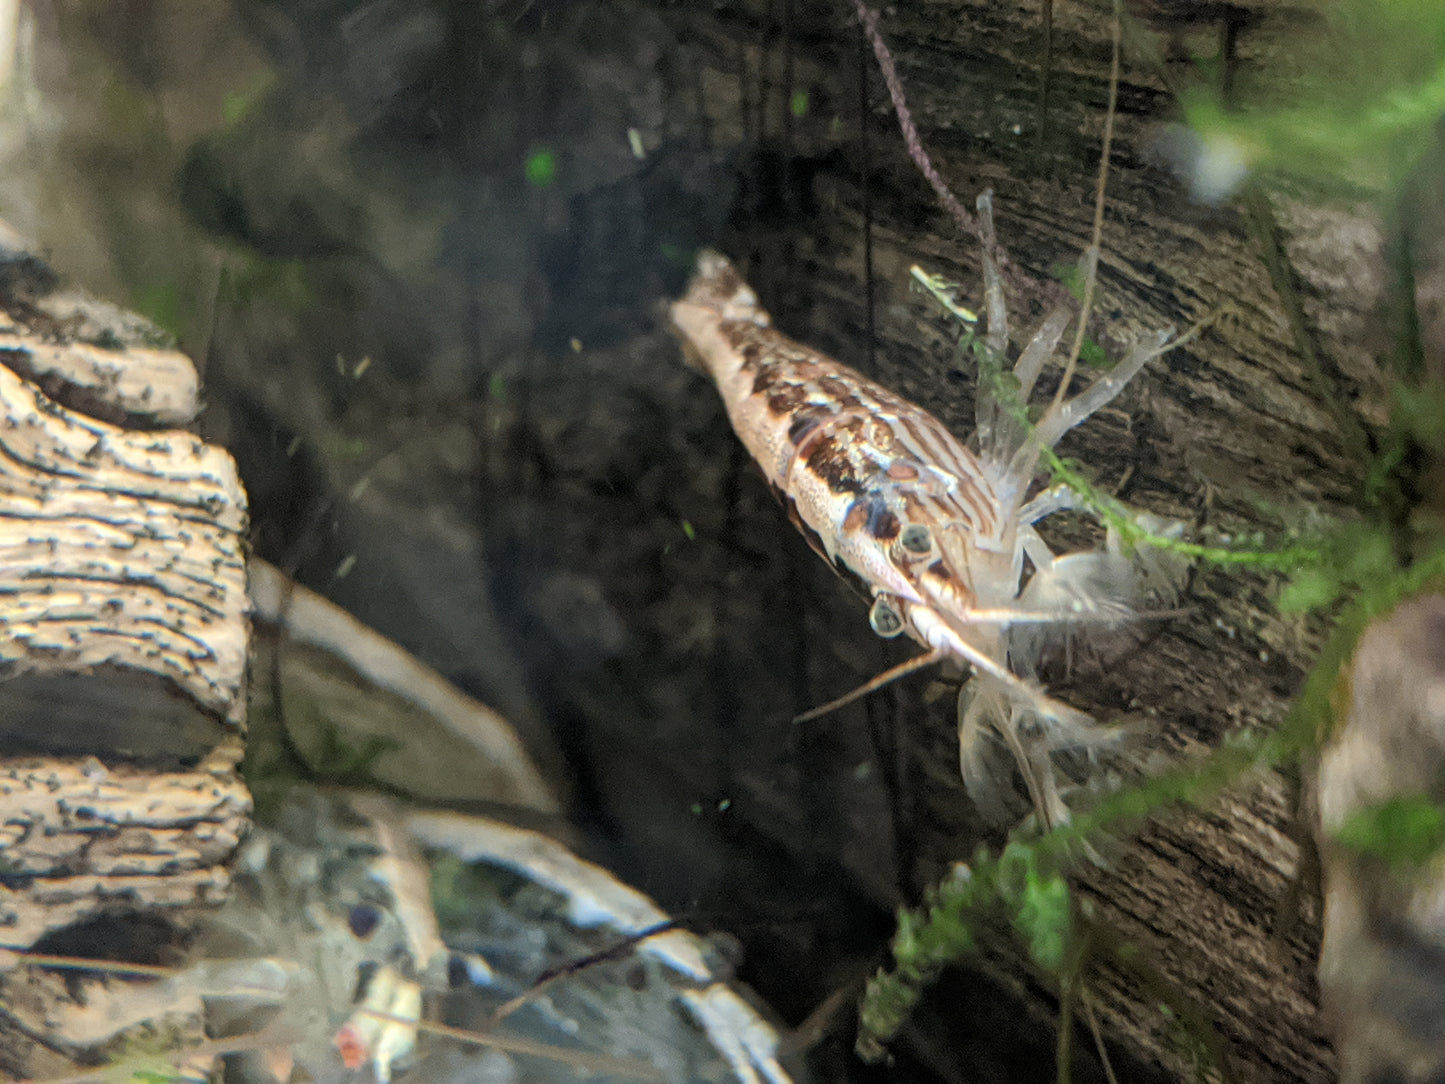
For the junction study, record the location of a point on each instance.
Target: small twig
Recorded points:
(950, 202)
(82, 963)
(1088, 1003)
(621, 949)
(966, 221)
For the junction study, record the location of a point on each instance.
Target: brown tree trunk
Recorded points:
(1236, 430)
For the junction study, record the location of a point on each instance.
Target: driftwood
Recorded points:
(327, 678)
(1231, 423)
(122, 662)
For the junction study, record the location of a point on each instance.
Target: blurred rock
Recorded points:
(1382, 966)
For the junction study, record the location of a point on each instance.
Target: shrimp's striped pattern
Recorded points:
(939, 535)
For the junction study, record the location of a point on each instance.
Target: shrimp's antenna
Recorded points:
(903, 669)
(1091, 279)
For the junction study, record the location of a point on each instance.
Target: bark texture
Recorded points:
(1237, 430)
(122, 667)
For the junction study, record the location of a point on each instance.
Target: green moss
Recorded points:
(237, 105)
(251, 278)
(1356, 104)
(1405, 832)
(452, 892)
(1043, 918)
(1023, 889)
(1353, 565)
(1349, 556)
(1357, 110)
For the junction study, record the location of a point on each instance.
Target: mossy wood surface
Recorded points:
(1234, 430)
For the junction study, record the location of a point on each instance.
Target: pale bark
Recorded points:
(122, 664)
(331, 671)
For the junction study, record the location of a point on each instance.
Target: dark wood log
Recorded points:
(1236, 430)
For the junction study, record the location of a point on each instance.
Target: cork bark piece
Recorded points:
(123, 648)
(89, 354)
(72, 831)
(122, 566)
(157, 386)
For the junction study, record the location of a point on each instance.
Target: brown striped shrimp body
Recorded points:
(878, 486)
(938, 535)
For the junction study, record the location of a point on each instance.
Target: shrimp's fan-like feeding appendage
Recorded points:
(938, 535)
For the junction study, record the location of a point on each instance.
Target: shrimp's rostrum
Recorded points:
(940, 536)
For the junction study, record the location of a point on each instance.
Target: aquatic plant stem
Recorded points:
(911, 140)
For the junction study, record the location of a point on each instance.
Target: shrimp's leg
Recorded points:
(1056, 422)
(1154, 568)
(996, 338)
(1042, 346)
(1058, 498)
(982, 708)
(1010, 424)
(1019, 691)
(1034, 547)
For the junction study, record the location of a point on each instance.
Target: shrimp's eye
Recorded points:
(917, 539)
(363, 920)
(885, 618)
